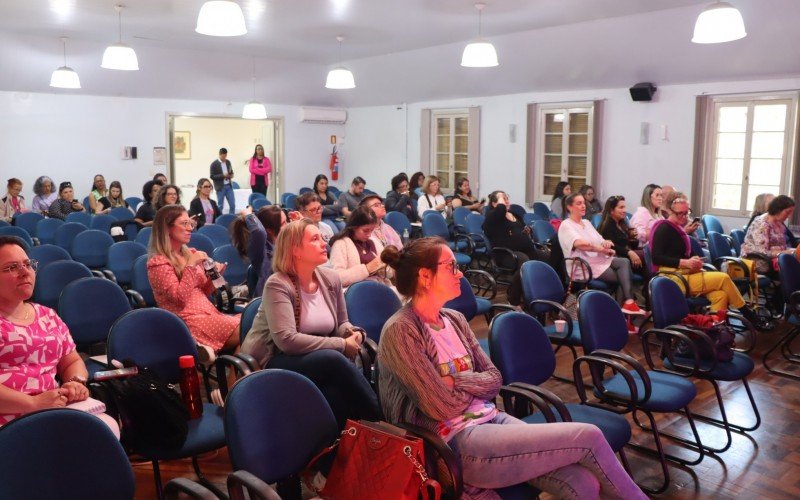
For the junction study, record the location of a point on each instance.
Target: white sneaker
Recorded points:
(205, 354)
(216, 398)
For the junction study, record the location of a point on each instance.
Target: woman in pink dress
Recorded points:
(180, 284)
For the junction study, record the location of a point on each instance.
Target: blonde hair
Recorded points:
(159, 239)
(673, 198)
(427, 183)
(289, 238)
(760, 205)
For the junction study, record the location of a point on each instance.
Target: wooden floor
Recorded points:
(765, 464)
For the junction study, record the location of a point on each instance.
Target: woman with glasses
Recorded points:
(354, 254)
(302, 324)
(435, 375)
(181, 285)
(672, 251)
(39, 366)
(253, 235)
(260, 168)
(169, 194)
(432, 198)
(13, 203)
(593, 205)
(65, 204)
(614, 228)
(98, 191)
(202, 208)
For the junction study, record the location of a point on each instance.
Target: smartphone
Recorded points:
(696, 220)
(118, 373)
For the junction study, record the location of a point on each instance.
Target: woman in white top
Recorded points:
(432, 198)
(354, 254)
(578, 238)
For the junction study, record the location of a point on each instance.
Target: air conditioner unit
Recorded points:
(323, 115)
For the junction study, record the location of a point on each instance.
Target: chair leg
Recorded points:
(725, 423)
(289, 488)
(695, 445)
(574, 357)
(157, 480)
(787, 339)
(662, 457)
(205, 482)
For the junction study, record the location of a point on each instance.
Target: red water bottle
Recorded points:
(190, 387)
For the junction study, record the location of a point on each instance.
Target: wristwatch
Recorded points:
(78, 379)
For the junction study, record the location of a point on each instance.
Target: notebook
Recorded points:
(89, 405)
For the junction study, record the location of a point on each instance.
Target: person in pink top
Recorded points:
(35, 345)
(578, 238)
(260, 168)
(180, 284)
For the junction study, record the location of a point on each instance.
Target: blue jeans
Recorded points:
(226, 193)
(347, 391)
(568, 460)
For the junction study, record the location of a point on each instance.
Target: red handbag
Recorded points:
(375, 460)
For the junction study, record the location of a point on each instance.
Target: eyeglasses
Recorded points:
(452, 264)
(314, 210)
(682, 214)
(376, 205)
(186, 224)
(15, 267)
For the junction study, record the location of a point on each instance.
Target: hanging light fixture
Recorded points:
(118, 55)
(719, 22)
(65, 77)
(340, 78)
(479, 53)
(254, 110)
(221, 18)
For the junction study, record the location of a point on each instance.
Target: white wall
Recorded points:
(376, 137)
(73, 137)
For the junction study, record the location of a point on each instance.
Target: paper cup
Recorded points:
(561, 325)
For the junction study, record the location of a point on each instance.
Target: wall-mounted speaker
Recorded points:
(643, 91)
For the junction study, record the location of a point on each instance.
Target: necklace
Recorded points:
(27, 314)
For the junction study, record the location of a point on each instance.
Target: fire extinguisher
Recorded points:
(334, 165)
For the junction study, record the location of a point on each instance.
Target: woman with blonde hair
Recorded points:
(180, 284)
(432, 197)
(648, 212)
(13, 203)
(202, 208)
(760, 205)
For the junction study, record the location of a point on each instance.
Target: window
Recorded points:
(450, 151)
(749, 144)
(564, 146)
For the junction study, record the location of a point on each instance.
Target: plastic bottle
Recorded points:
(405, 235)
(190, 387)
(211, 271)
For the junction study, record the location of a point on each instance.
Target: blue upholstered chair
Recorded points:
(28, 221)
(45, 254)
(399, 222)
(143, 236)
(541, 210)
(46, 230)
(711, 223)
(789, 269)
(543, 231)
(433, 224)
(141, 283)
(52, 279)
(84, 218)
(369, 305)
(225, 220)
(19, 233)
(218, 235)
(248, 315)
(134, 201)
(66, 232)
(121, 256)
(236, 271)
(91, 248)
(103, 222)
(201, 242)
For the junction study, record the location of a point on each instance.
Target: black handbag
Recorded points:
(149, 411)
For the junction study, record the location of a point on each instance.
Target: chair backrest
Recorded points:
(667, 302)
(121, 256)
(252, 280)
(201, 242)
(304, 190)
(433, 224)
(225, 220)
(248, 315)
(520, 349)
(141, 283)
(46, 254)
(460, 215)
(4, 223)
(288, 200)
(51, 280)
(711, 223)
(719, 246)
(259, 203)
(737, 235)
(217, 234)
(369, 305)
(90, 247)
(46, 230)
(103, 222)
(254, 196)
(543, 231)
(236, 272)
(475, 223)
(465, 303)
(67, 232)
(81, 455)
(596, 220)
(19, 233)
(153, 338)
(542, 210)
(272, 444)
(398, 221)
(28, 221)
(143, 236)
(121, 213)
(529, 218)
(235, 185)
(540, 282)
(518, 210)
(700, 234)
(89, 306)
(133, 201)
(601, 322)
(86, 204)
(333, 190)
(84, 218)
(789, 268)
(697, 248)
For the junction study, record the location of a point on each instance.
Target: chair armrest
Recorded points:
(759, 256)
(509, 254)
(250, 360)
(463, 236)
(175, 487)
(241, 480)
(36, 241)
(597, 365)
(680, 277)
(98, 274)
(793, 303)
(436, 446)
(240, 368)
(587, 270)
(109, 275)
(750, 337)
(520, 402)
(562, 313)
(135, 298)
(672, 335)
(710, 268)
(497, 309)
(626, 359)
(490, 283)
(549, 397)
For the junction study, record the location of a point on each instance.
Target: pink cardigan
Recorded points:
(264, 170)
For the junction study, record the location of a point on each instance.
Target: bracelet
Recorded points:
(78, 379)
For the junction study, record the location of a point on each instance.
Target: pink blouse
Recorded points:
(569, 232)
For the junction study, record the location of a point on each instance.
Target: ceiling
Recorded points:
(399, 50)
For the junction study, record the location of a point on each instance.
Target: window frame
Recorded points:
(451, 114)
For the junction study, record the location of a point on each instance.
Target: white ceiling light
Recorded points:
(719, 22)
(340, 78)
(221, 18)
(254, 110)
(479, 53)
(65, 77)
(118, 55)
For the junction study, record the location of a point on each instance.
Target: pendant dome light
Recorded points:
(221, 18)
(254, 110)
(719, 22)
(479, 53)
(120, 56)
(340, 78)
(65, 77)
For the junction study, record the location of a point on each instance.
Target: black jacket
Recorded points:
(196, 208)
(216, 173)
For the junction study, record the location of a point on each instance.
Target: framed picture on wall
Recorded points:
(182, 145)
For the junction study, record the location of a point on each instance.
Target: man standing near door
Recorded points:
(222, 173)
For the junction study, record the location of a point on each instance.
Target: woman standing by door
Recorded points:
(260, 168)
